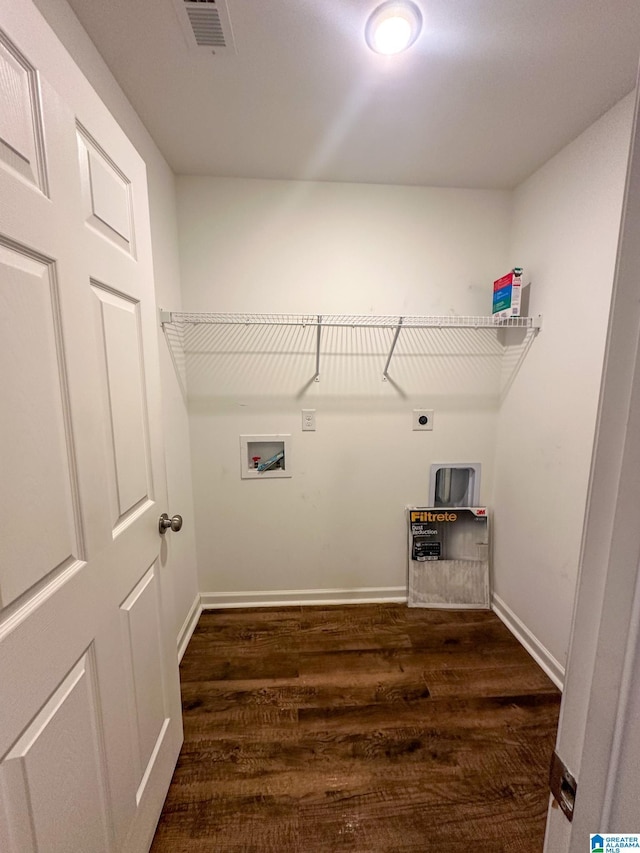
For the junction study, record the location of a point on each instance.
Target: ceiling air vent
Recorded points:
(206, 25)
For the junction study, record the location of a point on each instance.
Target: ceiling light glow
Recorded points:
(393, 27)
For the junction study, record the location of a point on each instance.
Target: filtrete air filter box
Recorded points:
(448, 557)
(507, 293)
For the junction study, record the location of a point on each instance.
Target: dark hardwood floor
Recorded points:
(365, 728)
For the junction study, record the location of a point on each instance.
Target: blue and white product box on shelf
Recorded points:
(507, 294)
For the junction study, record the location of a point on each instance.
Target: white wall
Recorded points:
(274, 246)
(566, 219)
(181, 549)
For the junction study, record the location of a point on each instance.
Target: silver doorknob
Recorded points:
(167, 523)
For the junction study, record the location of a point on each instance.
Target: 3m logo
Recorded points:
(481, 512)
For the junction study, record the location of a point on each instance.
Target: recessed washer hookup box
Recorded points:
(448, 557)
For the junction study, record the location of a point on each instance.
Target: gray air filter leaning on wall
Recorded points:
(448, 554)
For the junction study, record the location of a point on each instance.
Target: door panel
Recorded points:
(43, 800)
(142, 627)
(90, 720)
(120, 333)
(41, 523)
(20, 118)
(106, 193)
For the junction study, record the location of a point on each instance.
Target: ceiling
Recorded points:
(488, 93)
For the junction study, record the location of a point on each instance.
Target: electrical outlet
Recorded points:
(422, 419)
(308, 420)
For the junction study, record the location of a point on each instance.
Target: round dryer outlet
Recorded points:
(422, 419)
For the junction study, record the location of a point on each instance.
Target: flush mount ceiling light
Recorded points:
(393, 26)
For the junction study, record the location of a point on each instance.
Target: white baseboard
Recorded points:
(531, 643)
(189, 626)
(292, 597)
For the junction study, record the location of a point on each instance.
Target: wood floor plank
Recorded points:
(253, 664)
(336, 664)
(369, 728)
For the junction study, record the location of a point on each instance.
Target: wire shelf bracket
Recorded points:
(316, 378)
(396, 335)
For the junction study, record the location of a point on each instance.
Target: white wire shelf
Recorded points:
(189, 342)
(349, 320)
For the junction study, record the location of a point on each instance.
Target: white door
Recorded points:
(598, 735)
(90, 724)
